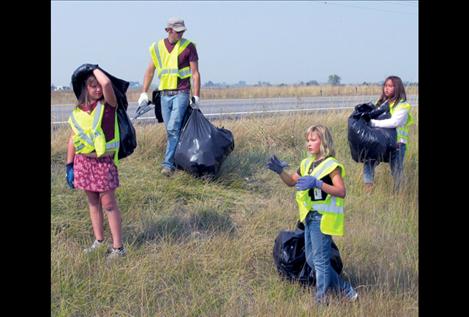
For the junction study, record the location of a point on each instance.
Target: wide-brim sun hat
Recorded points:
(177, 24)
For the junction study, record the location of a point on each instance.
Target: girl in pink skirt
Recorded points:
(94, 173)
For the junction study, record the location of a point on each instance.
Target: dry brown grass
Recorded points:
(67, 97)
(200, 248)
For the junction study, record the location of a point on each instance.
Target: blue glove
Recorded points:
(69, 176)
(307, 182)
(276, 165)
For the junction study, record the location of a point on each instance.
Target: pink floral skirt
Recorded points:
(95, 174)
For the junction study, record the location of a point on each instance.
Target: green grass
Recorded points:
(204, 248)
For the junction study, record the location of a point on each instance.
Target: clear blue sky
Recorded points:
(274, 41)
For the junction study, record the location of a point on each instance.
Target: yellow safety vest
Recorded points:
(167, 64)
(331, 208)
(402, 131)
(89, 136)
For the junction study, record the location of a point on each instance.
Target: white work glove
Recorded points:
(195, 102)
(143, 99)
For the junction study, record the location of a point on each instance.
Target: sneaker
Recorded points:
(351, 295)
(96, 245)
(116, 253)
(167, 171)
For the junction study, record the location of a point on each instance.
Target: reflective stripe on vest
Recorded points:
(116, 141)
(183, 43)
(185, 72)
(88, 138)
(331, 208)
(112, 145)
(81, 133)
(322, 167)
(167, 64)
(155, 54)
(402, 131)
(94, 139)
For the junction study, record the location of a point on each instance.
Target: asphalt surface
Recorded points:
(236, 108)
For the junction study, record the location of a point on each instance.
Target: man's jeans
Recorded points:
(173, 109)
(397, 167)
(318, 256)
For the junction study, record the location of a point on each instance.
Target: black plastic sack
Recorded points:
(79, 77)
(156, 100)
(202, 147)
(367, 143)
(290, 260)
(128, 137)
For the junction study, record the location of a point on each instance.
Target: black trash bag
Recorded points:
(202, 147)
(381, 112)
(79, 77)
(290, 260)
(128, 137)
(367, 143)
(187, 114)
(156, 100)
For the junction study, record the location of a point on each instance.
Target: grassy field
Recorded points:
(67, 97)
(200, 248)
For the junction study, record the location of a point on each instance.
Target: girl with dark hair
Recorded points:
(393, 100)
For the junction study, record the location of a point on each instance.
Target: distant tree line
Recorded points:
(333, 80)
(242, 83)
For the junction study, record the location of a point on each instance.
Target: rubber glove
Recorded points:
(69, 175)
(307, 182)
(195, 102)
(276, 165)
(143, 100)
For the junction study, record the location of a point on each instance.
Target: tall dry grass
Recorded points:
(201, 248)
(67, 97)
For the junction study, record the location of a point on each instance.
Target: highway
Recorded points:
(236, 108)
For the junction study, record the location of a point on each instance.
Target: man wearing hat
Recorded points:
(175, 59)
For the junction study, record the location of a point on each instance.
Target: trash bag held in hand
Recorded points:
(202, 147)
(128, 137)
(367, 143)
(156, 100)
(290, 260)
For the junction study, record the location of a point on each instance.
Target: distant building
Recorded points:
(62, 88)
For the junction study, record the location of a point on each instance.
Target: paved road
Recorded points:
(234, 108)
